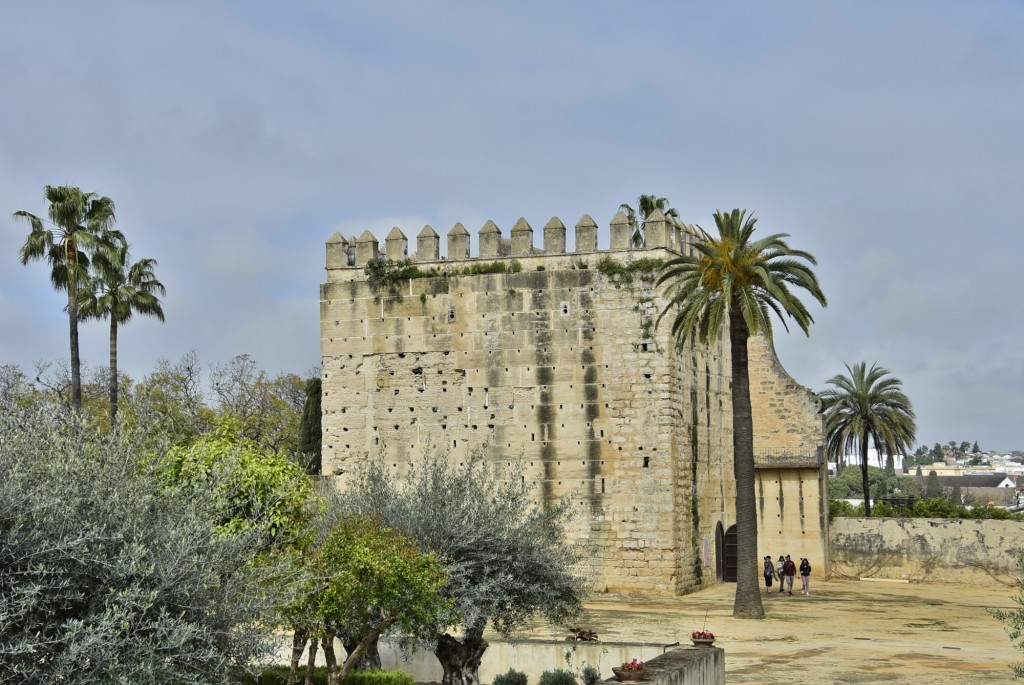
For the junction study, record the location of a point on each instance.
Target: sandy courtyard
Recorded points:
(845, 632)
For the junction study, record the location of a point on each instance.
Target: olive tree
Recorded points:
(109, 576)
(507, 557)
(362, 579)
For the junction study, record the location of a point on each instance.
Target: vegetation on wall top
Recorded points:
(623, 273)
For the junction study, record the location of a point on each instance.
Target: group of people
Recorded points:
(784, 570)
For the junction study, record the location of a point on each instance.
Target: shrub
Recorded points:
(486, 268)
(99, 560)
(934, 507)
(511, 677)
(839, 507)
(590, 675)
(645, 269)
(557, 677)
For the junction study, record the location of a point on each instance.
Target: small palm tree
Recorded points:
(645, 206)
(736, 280)
(117, 290)
(867, 405)
(79, 224)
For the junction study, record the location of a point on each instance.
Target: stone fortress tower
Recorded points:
(555, 359)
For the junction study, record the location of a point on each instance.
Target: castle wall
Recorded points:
(927, 550)
(556, 362)
(792, 481)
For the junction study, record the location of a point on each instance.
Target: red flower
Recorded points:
(633, 665)
(702, 635)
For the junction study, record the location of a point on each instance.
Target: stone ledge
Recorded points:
(786, 461)
(686, 666)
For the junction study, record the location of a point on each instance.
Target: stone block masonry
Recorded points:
(552, 359)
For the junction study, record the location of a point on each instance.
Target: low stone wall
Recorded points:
(932, 550)
(667, 664)
(686, 666)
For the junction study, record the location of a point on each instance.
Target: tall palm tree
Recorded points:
(868, 405)
(116, 290)
(732, 278)
(645, 206)
(78, 224)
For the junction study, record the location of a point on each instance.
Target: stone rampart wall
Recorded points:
(557, 362)
(926, 550)
(792, 482)
(561, 368)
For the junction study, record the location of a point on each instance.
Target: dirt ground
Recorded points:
(845, 632)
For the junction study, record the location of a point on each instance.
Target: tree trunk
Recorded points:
(112, 381)
(370, 657)
(864, 475)
(357, 652)
(327, 642)
(461, 660)
(311, 662)
(299, 639)
(747, 603)
(76, 360)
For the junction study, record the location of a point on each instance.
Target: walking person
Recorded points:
(769, 573)
(805, 575)
(780, 572)
(789, 568)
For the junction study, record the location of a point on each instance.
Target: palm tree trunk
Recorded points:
(864, 475)
(76, 361)
(747, 603)
(112, 381)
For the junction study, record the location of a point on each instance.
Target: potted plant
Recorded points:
(702, 638)
(630, 671)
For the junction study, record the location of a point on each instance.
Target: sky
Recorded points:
(887, 139)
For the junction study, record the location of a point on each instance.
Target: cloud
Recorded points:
(235, 137)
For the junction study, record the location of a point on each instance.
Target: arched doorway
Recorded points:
(719, 551)
(730, 555)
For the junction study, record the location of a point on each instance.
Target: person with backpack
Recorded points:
(805, 576)
(769, 573)
(789, 568)
(781, 572)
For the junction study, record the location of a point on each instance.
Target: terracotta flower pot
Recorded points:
(702, 641)
(629, 676)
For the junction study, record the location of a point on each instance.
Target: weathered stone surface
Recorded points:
(554, 236)
(622, 232)
(564, 369)
(428, 245)
(396, 245)
(458, 242)
(918, 550)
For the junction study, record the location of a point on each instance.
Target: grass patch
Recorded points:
(278, 675)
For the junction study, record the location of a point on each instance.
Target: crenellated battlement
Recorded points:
(659, 232)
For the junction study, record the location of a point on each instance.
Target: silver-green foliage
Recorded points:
(106, 576)
(559, 676)
(507, 557)
(510, 677)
